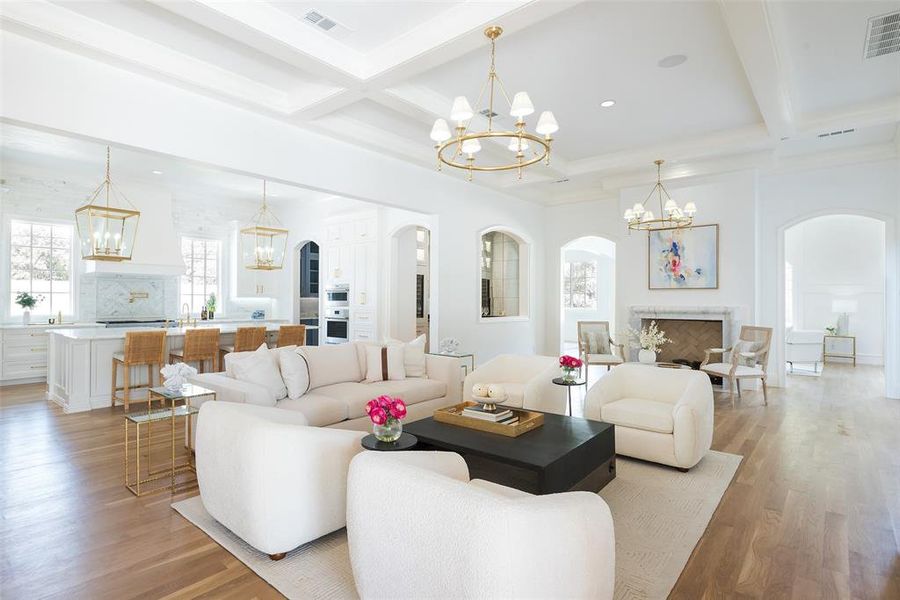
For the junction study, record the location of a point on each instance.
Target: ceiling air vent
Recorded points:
(836, 132)
(486, 112)
(320, 20)
(883, 35)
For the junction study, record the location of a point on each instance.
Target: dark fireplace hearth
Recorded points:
(695, 365)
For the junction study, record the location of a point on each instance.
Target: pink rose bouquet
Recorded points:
(386, 414)
(569, 364)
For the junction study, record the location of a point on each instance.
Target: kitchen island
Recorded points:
(79, 367)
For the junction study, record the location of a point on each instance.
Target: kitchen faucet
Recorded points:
(186, 317)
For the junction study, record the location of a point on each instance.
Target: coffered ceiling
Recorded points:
(763, 79)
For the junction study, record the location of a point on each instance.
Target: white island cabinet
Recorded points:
(23, 351)
(79, 368)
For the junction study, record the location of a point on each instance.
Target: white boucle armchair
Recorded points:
(527, 379)
(418, 528)
(661, 415)
(268, 477)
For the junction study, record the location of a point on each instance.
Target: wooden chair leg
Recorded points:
(738, 383)
(115, 373)
(126, 396)
(278, 556)
(765, 393)
(731, 389)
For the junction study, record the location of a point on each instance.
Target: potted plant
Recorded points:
(211, 306)
(27, 302)
(569, 364)
(650, 339)
(386, 414)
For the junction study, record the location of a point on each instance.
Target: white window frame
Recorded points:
(567, 282)
(6, 265)
(220, 300)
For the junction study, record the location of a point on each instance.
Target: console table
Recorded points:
(852, 350)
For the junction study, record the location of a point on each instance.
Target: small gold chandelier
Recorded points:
(263, 242)
(460, 151)
(107, 231)
(671, 216)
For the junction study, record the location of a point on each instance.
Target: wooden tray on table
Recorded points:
(452, 415)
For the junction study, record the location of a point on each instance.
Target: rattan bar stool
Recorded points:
(246, 339)
(291, 335)
(200, 345)
(141, 348)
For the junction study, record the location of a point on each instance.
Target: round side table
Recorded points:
(569, 385)
(406, 441)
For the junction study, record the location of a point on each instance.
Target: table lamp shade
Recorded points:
(844, 306)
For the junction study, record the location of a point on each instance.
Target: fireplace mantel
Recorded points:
(729, 315)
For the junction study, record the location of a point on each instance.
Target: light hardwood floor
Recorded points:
(813, 512)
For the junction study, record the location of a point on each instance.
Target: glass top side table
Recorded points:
(176, 406)
(464, 364)
(569, 384)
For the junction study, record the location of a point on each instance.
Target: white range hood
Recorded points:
(157, 249)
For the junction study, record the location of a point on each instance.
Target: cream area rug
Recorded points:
(659, 515)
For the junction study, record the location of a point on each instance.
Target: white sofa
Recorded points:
(528, 381)
(661, 415)
(418, 528)
(271, 479)
(803, 347)
(337, 392)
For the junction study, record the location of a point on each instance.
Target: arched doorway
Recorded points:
(832, 276)
(587, 287)
(306, 288)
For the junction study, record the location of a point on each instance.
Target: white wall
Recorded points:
(839, 257)
(50, 88)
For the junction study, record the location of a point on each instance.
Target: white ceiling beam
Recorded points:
(71, 31)
(874, 114)
(750, 28)
(327, 105)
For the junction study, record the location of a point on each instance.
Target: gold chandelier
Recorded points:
(263, 242)
(107, 231)
(460, 151)
(671, 216)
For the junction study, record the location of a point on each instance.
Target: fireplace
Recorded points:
(690, 338)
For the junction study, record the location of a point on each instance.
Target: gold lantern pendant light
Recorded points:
(107, 224)
(671, 216)
(264, 241)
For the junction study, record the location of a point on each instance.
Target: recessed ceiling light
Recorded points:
(608, 103)
(672, 61)
(157, 172)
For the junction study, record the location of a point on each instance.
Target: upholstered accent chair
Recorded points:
(528, 381)
(269, 477)
(418, 515)
(661, 415)
(596, 346)
(746, 359)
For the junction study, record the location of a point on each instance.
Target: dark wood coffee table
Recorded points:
(565, 453)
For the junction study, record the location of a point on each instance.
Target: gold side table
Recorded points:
(850, 355)
(176, 406)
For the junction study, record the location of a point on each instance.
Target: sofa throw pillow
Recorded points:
(294, 372)
(384, 363)
(259, 367)
(413, 356)
(330, 364)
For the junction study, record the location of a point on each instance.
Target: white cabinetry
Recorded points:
(351, 258)
(23, 353)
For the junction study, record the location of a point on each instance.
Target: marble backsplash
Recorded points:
(113, 296)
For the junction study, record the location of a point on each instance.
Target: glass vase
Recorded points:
(568, 374)
(390, 431)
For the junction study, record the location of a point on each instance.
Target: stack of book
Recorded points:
(500, 415)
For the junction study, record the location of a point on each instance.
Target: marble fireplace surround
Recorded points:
(730, 316)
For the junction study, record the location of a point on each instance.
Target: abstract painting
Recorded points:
(684, 258)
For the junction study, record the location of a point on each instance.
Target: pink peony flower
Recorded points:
(370, 406)
(384, 402)
(398, 409)
(378, 416)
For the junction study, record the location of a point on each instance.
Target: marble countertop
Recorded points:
(114, 333)
(45, 325)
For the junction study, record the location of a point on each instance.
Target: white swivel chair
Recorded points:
(527, 379)
(271, 479)
(661, 415)
(418, 528)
